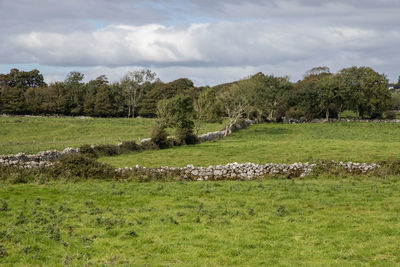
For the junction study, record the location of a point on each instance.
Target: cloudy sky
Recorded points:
(207, 41)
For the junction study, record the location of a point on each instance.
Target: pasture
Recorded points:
(280, 143)
(35, 134)
(325, 221)
(321, 220)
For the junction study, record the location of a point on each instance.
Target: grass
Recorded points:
(280, 143)
(34, 134)
(319, 221)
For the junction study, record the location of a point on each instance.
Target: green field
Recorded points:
(34, 134)
(317, 221)
(280, 143)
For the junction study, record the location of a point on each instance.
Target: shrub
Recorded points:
(159, 137)
(81, 166)
(389, 167)
(294, 113)
(129, 146)
(150, 145)
(185, 136)
(107, 150)
(87, 150)
(390, 115)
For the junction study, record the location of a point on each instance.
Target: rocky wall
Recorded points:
(243, 171)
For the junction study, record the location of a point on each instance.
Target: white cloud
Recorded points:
(207, 40)
(217, 44)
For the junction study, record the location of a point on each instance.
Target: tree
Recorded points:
(54, 99)
(92, 89)
(33, 100)
(366, 90)
(103, 106)
(14, 86)
(234, 101)
(269, 95)
(206, 108)
(134, 85)
(75, 92)
(316, 71)
(159, 90)
(177, 112)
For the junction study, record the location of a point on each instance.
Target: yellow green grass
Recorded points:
(34, 134)
(314, 222)
(280, 143)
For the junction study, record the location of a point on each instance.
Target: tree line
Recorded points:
(320, 94)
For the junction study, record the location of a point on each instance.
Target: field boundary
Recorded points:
(41, 159)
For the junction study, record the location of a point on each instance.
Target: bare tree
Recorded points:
(235, 102)
(134, 85)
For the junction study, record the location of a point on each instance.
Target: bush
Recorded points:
(185, 136)
(389, 167)
(150, 145)
(129, 146)
(294, 113)
(87, 150)
(107, 150)
(390, 115)
(81, 166)
(159, 137)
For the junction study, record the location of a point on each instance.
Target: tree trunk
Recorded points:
(133, 112)
(129, 111)
(339, 116)
(327, 114)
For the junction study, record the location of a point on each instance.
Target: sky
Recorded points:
(209, 42)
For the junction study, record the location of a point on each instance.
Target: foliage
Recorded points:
(177, 112)
(367, 91)
(159, 136)
(206, 108)
(160, 91)
(396, 101)
(263, 97)
(390, 115)
(134, 85)
(129, 146)
(235, 102)
(184, 134)
(77, 166)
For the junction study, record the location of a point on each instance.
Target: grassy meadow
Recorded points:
(34, 134)
(316, 221)
(323, 222)
(280, 143)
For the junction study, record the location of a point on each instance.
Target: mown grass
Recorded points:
(319, 221)
(34, 134)
(280, 143)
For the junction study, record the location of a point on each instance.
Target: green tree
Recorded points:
(177, 112)
(367, 91)
(206, 108)
(103, 103)
(54, 99)
(75, 92)
(92, 89)
(134, 85)
(33, 100)
(159, 90)
(13, 87)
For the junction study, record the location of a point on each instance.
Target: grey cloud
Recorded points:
(285, 36)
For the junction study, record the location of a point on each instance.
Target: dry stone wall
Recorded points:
(243, 171)
(41, 159)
